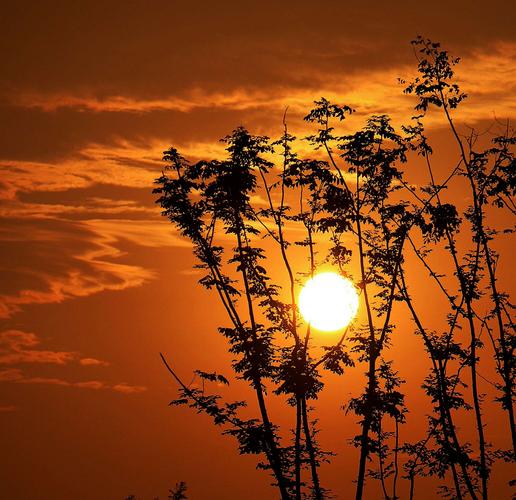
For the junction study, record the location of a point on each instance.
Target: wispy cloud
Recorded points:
(21, 347)
(19, 377)
(105, 207)
(69, 259)
(128, 389)
(55, 272)
(146, 233)
(92, 362)
(10, 375)
(370, 91)
(120, 164)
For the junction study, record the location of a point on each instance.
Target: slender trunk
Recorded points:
(411, 493)
(445, 416)
(363, 457)
(412, 472)
(298, 450)
(484, 472)
(282, 244)
(269, 433)
(271, 449)
(311, 452)
(396, 465)
(371, 375)
(506, 355)
(449, 428)
(380, 459)
(274, 459)
(375, 348)
(467, 292)
(235, 422)
(456, 482)
(306, 423)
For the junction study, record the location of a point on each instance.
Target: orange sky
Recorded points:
(95, 284)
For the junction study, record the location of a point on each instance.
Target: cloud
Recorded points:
(154, 234)
(91, 384)
(90, 261)
(120, 164)
(17, 376)
(43, 380)
(96, 207)
(18, 347)
(92, 362)
(75, 138)
(129, 389)
(54, 260)
(10, 375)
(80, 140)
(260, 43)
(62, 226)
(368, 90)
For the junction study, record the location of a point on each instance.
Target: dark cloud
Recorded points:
(129, 48)
(33, 134)
(78, 196)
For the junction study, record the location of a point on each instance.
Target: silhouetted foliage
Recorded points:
(178, 492)
(357, 212)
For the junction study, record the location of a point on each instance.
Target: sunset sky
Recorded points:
(94, 283)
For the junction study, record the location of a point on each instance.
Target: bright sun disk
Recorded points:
(328, 301)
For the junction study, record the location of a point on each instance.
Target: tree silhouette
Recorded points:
(178, 492)
(356, 211)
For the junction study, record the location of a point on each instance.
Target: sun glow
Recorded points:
(328, 302)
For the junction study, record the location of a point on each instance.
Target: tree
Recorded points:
(178, 492)
(358, 212)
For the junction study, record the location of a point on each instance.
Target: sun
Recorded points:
(328, 302)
